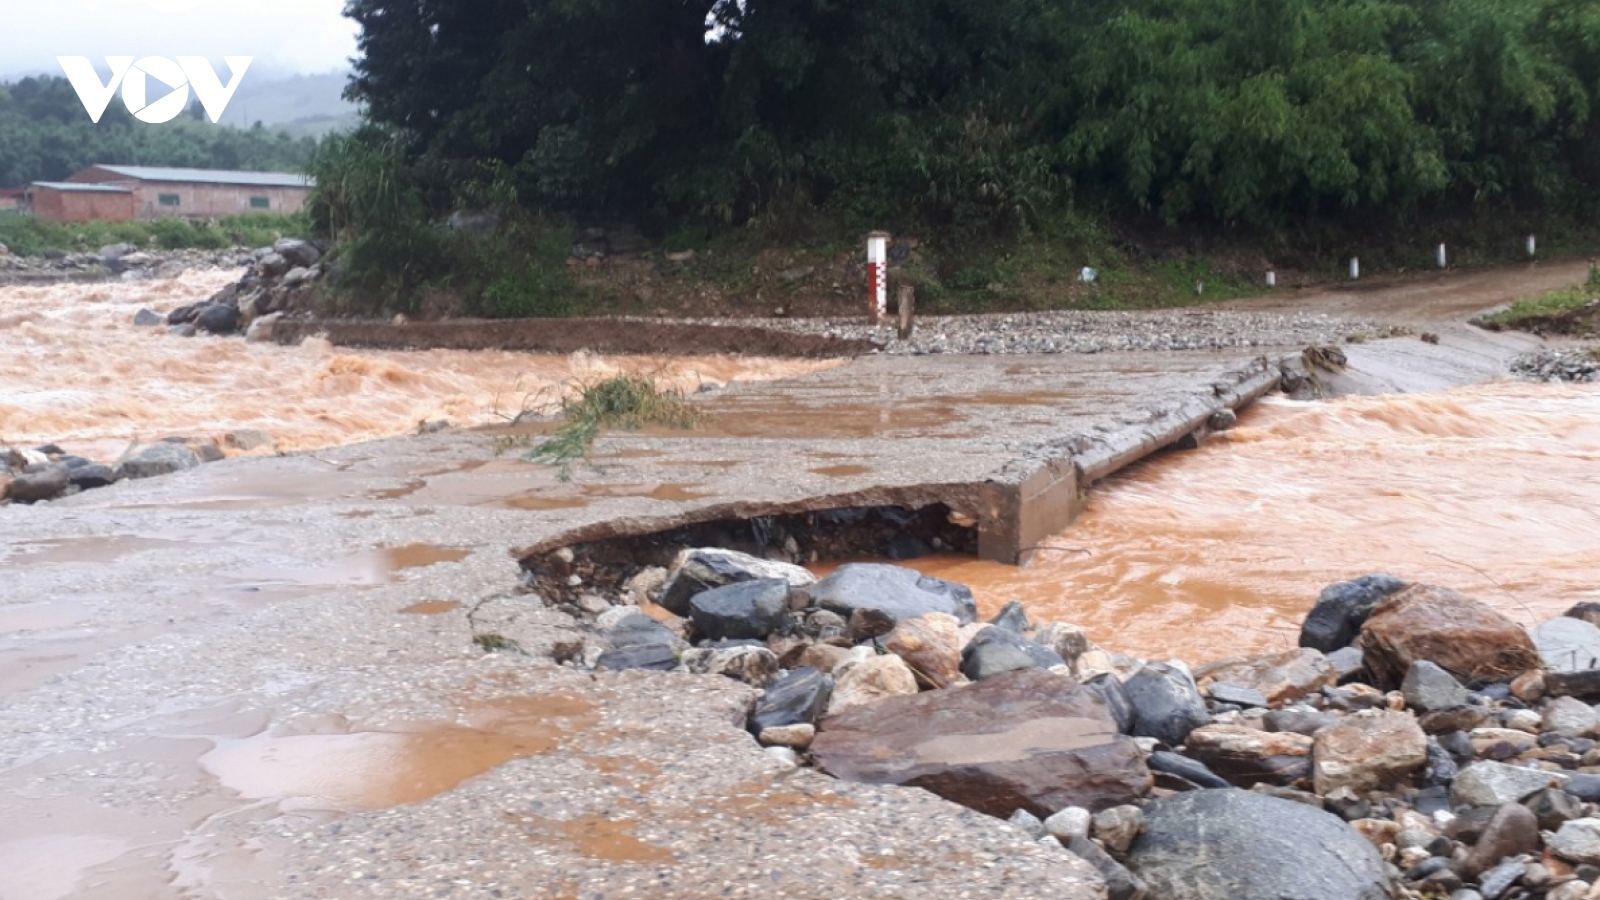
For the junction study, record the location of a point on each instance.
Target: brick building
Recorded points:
(158, 192)
(58, 201)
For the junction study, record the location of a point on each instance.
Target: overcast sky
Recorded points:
(284, 36)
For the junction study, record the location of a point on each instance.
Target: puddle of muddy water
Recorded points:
(384, 565)
(66, 551)
(370, 770)
(611, 840)
(431, 608)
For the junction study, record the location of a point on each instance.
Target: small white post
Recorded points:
(1272, 278)
(877, 276)
(1440, 258)
(1533, 247)
(1199, 287)
(1355, 268)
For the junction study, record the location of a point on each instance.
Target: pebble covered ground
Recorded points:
(1559, 365)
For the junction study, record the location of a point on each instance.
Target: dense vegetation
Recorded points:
(45, 135)
(28, 236)
(969, 121)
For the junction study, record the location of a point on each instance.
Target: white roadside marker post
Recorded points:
(1355, 268)
(1533, 247)
(878, 276)
(1440, 258)
(1272, 278)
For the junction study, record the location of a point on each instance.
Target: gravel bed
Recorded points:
(1558, 365)
(1083, 331)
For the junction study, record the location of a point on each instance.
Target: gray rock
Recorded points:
(1239, 845)
(298, 276)
(1336, 619)
(1237, 694)
(703, 568)
(1499, 879)
(634, 628)
(273, 265)
(1568, 715)
(1552, 806)
(1121, 884)
(1428, 687)
(113, 252)
(896, 592)
(474, 221)
(1585, 786)
(160, 458)
(1117, 827)
(185, 330)
(1012, 617)
(93, 475)
(1166, 703)
(794, 699)
(1511, 831)
(1577, 841)
(219, 318)
(1192, 772)
(1440, 769)
(145, 318)
(745, 610)
(46, 483)
(1029, 823)
(297, 252)
(1567, 645)
(1069, 823)
(998, 650)
(658, 657)
(1489, 783)
(1347, 663)
(750, 664)
(1298, 720)
(1110, 689)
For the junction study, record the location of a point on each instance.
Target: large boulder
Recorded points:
(162, 458)
(1490, 783)
(866, 681)
(634, 628)
(1028, 740)
(1368, 750)
(997, 650)
(931, 646)
(751, 664)
(1166, 703)
(1463, 636)
(1567, 645)
(701, 569)
(297, 252)
(218, 318)
(45, 483)
(1279, 677)
(797, 698)
(742, 611)
(1342, 608)
(1240, 845)
(891, 592)
(1429, 687)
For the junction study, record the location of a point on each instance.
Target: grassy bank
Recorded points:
(1569, 311)
(27, 236)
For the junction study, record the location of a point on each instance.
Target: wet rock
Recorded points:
(824, 657)
(248, 439)
(1239, 845)
(145, 318)
(657, 657)
(1072, 822)
(1489, 783)
(218, 318)
(1368, 750)
(261, 328)
(1121, 884)
(1299, 720)
(1553, 806)
(1191, 773)
(93, 475)
(1588, 612)
(896, 592)
(113, 252)
(1110, 689)
(1463, 636)
(701, 569)
(747, 610)
(1567, 645)
(1012, 617)
(1342, 608)
(997, 650)
(751, 665)
(1023, 740)
(1428, 687)
(1028, 823)
(1577, 841)
(161, 458)
(796, 736)
(869, 680)
(1440, 769)
(1456, 718)
(185, 330)
(1529, 686)
(797, 698)
(1513, 830)
(1166, 703)
(300, 275)
(1068, 641)
(1585, 786)
(1498, 880)
(273, 265)
(1117, 827)
(1347, 662)
(1485, 742)
(45, 483)
(931, 646)
(868, 625)
(1236, 694)
(1245, 756)
(1281, 677)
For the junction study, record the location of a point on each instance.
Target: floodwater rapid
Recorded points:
(74, 370)
(1493, 490)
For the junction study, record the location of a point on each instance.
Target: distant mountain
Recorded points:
(300, 104)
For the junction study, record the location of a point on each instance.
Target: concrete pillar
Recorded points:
(1355, 268)
(1533, 247)
(1272, 278)
(1440, 258)
(878, 276)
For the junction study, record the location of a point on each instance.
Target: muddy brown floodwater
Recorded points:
(74, 370)
(1493, 490)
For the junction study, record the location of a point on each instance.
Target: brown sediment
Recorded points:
(431, 608)
(542, 501)
(842, 471)
(405, 490)
(612, 840)
(416, 556)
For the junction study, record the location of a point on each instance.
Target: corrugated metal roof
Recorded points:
(86, 188)
(210, 176)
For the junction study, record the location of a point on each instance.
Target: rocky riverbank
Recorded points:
(1416, 744)
(124, 262)
(1582, 366)
(49, 473)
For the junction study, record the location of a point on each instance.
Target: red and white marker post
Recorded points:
(878, 276)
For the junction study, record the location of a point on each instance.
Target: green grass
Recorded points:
(1531, 311)
(621, 402)
(27, 236)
